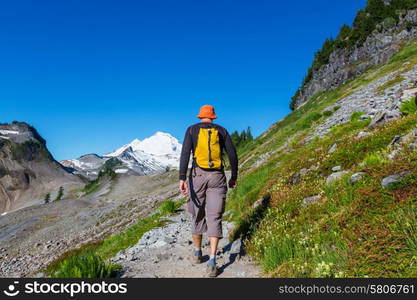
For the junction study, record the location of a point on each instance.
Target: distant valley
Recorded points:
(29, 174)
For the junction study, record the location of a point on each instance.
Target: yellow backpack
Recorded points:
(208, 153)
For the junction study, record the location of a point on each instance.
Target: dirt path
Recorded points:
(165, 252)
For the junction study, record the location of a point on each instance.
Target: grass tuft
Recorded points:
(169, 207)
(87, 265)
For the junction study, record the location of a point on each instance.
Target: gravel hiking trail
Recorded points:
(165, 253)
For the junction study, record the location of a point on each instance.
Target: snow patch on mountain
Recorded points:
(134, 144)
(9, 132)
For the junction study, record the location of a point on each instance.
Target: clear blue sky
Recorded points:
(93, 75)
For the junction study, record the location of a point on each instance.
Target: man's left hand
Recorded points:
(184, 187)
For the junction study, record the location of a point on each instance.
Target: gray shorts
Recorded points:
(206, 201)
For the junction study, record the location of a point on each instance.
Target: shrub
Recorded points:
(356, 115)
(87, 265)
(375, 159)
(60, 194)
(336, 108)
(327, 113)
(91, 187)
(409, 107)
(389, 23)
(47, 198)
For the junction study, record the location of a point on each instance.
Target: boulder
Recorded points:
(236, 246)
(407, 94)
(303, 172)
(363, 134)
(383, 117)
(396, 140)
(393, 154)
(310, 200)
(257, 203)
(314, 168)
(364, 117)
(377, 120)
(335, 176)
(295, 179)
(234, 249)
(261, 202)
(356, 177)
(332, 148)
(387, 181)
(336, 168)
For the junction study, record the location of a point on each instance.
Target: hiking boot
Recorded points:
(197, 257)
(212, 271)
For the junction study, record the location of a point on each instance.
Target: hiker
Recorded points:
(207, 185)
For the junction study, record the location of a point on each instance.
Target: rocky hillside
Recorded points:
(28, 172)
(378, 32)
(330, 190)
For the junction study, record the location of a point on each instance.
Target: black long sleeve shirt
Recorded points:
(190, 143)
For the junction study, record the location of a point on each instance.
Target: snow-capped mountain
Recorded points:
(155, 154)
(162, 147)
(88, 165)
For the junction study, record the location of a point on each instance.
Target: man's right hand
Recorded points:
(232, 183)
(184, 187)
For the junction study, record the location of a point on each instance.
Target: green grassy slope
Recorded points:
(357, 230)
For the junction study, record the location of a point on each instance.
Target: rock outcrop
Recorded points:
(27, 169)
(345, 64)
